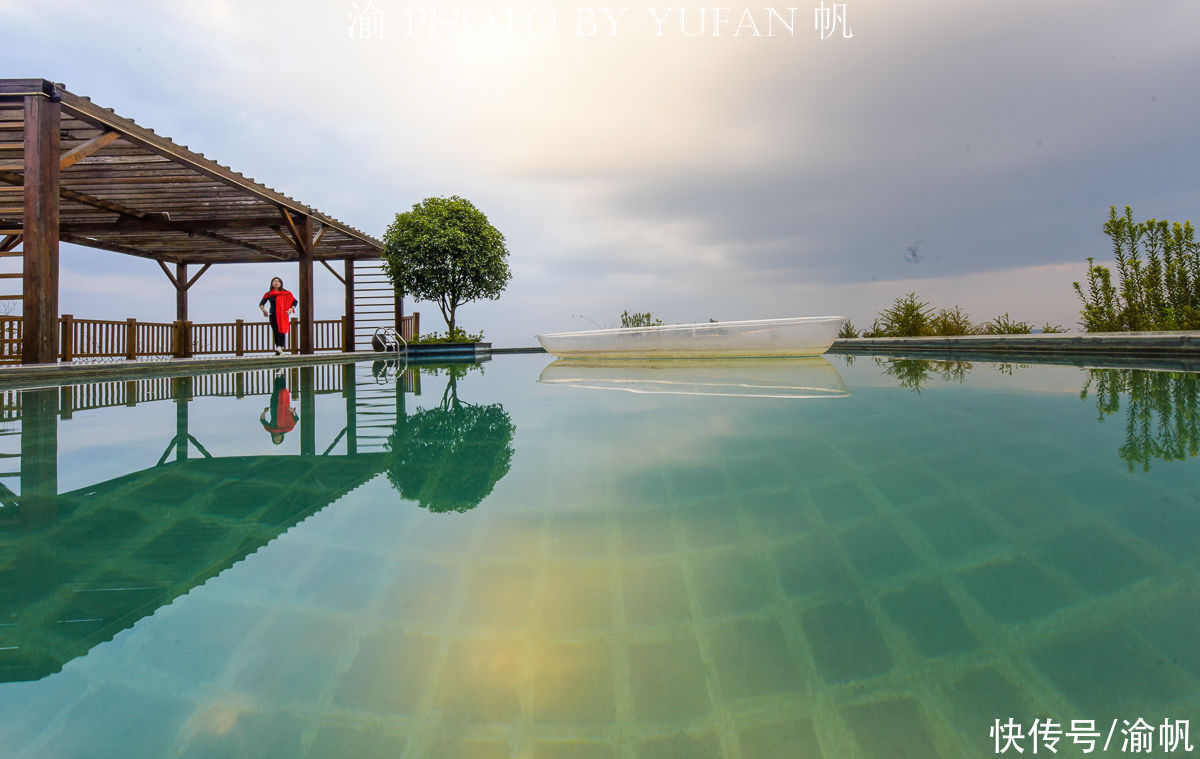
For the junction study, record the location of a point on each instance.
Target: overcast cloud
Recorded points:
(969, 150)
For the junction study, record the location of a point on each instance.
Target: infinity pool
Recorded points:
(867, 557)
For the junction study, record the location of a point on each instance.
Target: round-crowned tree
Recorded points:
(445, 250)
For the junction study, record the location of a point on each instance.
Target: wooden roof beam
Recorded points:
(114, 247)
(78, 197)
(159, 224)
(79, 152)
(248, 245)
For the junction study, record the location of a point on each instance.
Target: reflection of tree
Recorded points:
(1162, 418)
(914, 373)
(1008, 369)
(449, 458)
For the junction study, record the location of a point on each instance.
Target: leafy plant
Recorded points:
(1159, 291)
(847, 330)
(639, 319)
(1052, 329)
(1003, 325)
(907, 317)
(952, 321)
(459, 335)
(445, 250)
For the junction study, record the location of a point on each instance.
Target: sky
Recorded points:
(697, 162)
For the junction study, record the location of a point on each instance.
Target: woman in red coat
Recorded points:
(282, 304)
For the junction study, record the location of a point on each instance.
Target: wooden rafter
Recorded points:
(79, 152)
(283, 236)
(292, 226)
(159, 224)
(78, 197)
(115, 247)
(243, 244)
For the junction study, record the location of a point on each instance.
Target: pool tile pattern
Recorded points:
(859, 601)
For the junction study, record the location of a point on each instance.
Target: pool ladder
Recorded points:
(390, 340)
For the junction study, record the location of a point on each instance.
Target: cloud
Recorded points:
(707, 176)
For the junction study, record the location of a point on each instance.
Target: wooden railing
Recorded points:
(327, 378)
(130, 339)
(410, 326)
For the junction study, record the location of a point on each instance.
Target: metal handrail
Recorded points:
(391, 340)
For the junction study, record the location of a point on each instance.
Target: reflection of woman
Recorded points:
(283, 415)
(282, 303)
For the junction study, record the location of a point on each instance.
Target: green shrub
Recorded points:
(1003, 325)
(1161, 291)
(847, 330)
(907, 317)
(459, 335)
(952, 321)
(639, 320)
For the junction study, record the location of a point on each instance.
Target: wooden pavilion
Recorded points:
(73, 171)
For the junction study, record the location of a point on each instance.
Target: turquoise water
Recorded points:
(469, 562)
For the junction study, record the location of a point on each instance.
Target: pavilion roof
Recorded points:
(129, 190)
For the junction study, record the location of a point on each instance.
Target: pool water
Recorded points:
(865, 557)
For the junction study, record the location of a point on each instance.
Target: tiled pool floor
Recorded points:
(879, 576)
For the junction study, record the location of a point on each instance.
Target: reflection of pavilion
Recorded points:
(76, 568)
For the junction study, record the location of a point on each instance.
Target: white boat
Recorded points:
(757, 338)
(812, 377)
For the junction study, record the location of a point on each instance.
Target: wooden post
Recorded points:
(416, 325)
(130, 339)
(348, 319)
(177, 339)
(239, 338)
(68, 337)
(399, 307)
(181, 290)
(187, 339)
(293, 338)
(40, 275)
(306, 284)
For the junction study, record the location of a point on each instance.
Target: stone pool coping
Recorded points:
(1179, 351)
(1176, 351)
(25, 375)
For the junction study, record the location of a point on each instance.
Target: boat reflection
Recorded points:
(812, 377)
